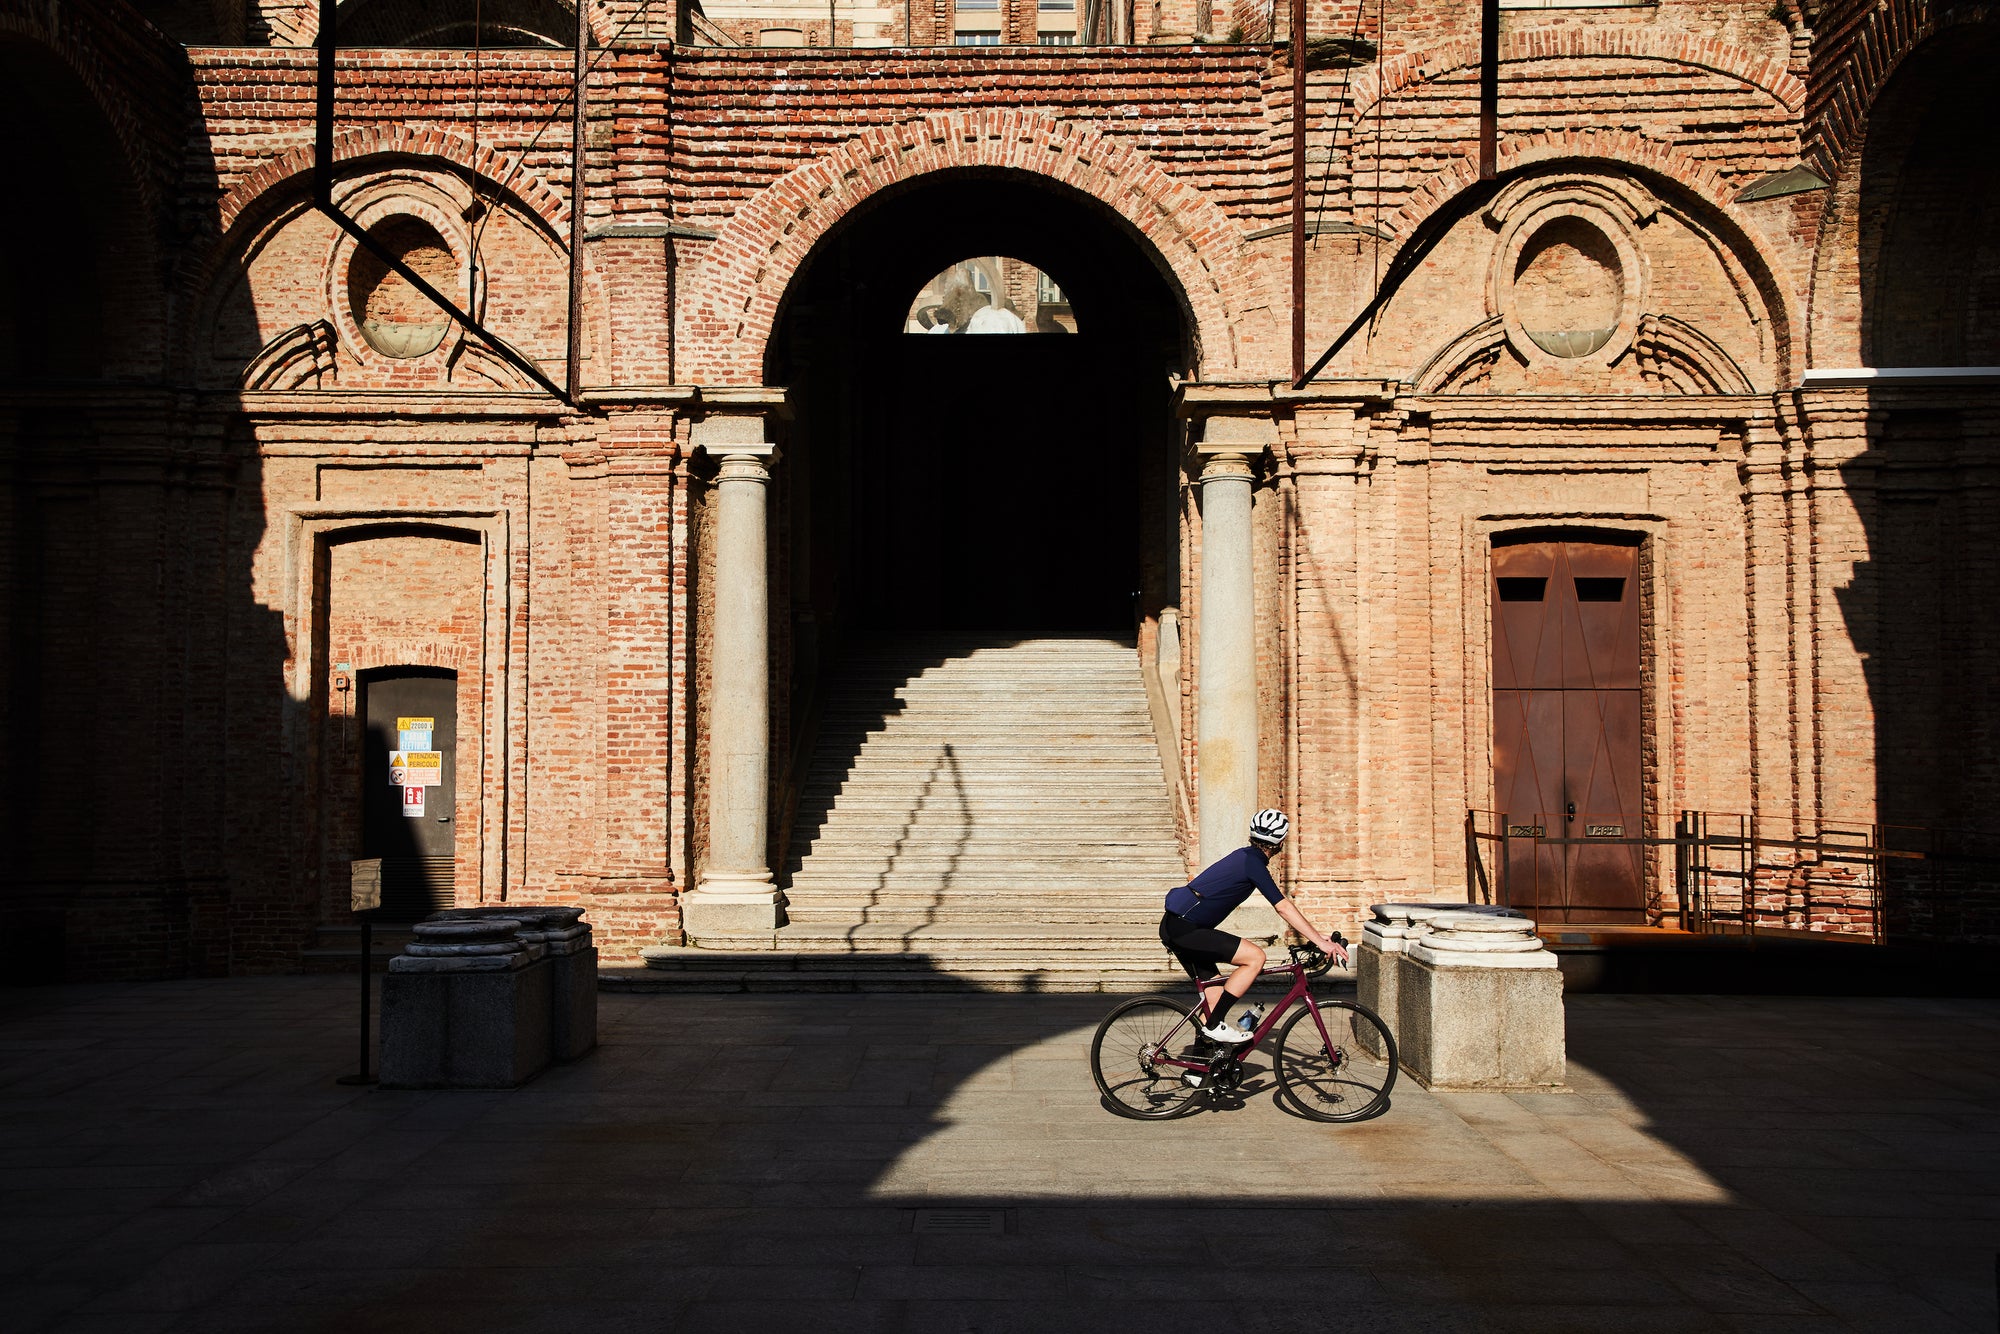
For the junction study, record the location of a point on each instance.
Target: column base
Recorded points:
(731, 902)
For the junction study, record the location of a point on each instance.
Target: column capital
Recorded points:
(741, 465)
(1225, 466)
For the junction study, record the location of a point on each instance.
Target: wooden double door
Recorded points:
(1568, 728)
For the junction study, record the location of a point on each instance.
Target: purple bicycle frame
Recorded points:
(1301, 990)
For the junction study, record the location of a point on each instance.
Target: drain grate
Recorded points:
(962, 1222)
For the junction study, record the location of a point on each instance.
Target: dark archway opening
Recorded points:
(1918, 605)
(990, 483)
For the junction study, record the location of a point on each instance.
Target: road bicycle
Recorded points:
(1335, 1060)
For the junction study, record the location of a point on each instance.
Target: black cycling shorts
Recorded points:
(1197, 948)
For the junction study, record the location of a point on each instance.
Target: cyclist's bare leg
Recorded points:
(1248, 961)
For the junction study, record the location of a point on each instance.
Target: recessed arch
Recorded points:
(1734, 243)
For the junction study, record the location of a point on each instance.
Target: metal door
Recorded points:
(1566, 727)
(408, 812)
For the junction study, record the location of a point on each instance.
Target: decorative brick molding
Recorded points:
(733, 305)
(1623, 148)
(1769, 73)
(505, 173)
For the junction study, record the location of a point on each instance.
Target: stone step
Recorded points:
(889, 975)
(1039, 783)
(958, 914)
(1029, 869)
(1008, 938)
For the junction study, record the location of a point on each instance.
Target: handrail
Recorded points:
(1738, 874)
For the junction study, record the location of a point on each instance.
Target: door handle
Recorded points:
(1569, 812)
(446, 819)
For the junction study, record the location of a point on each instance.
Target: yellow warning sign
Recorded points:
(416, 768)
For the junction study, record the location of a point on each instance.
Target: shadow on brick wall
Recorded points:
(1919, 606)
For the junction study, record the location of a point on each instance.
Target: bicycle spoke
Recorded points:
(1129, 1054)
(1345, 1076)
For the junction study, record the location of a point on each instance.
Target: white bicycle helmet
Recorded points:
(1270, 826)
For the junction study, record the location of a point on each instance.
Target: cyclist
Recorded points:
(1196, 910)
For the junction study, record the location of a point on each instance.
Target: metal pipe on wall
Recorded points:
(573, 380)
(1489, 88)
(1298, 16)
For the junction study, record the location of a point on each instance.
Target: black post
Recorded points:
(367, 969)
(1489, 89)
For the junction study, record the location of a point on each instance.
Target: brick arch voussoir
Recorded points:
(1768, 73)
(299, 24)
(509, 174)
(1626, 149)
(1842, 105)
(749, 267)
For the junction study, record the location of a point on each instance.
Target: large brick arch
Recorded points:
(734, 300)
(1871, 39)
(90, 49)
(1623, 149)
(1768, 73)
(1875, 126)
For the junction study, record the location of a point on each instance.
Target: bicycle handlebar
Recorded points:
(1314, 960)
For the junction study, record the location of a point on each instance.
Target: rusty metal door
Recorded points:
(1567, 727)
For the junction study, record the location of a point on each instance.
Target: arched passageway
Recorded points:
(990, 483)
(1930, 209)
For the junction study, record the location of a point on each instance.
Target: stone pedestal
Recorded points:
(565, 941)
(1477, 1003)
(1379, 962)
(467, 1005)
(736, 893)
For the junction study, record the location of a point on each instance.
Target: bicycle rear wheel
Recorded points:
(1124, 1058)
(1346, 1081)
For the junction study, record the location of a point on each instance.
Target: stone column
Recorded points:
(1226, 718)
(736, 892)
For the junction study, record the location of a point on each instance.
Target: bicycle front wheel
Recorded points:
(1126, 1055)
(1346, 1077)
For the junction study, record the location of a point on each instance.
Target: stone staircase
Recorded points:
(977, 815)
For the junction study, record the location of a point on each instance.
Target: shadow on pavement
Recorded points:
(178, 1158)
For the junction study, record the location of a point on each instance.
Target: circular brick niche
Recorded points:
(393, 316)
(1570, 280)
(1569, 288)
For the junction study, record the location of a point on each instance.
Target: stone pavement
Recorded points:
(178, 1157)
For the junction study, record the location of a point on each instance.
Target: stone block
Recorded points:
(466, 1029)
(1478, 1004)
(565, 939)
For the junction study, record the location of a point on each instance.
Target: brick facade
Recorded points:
(247, 491)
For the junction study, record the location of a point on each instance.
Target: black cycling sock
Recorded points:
(1218, 1010)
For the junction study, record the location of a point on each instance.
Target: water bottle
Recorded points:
(1250, 1019)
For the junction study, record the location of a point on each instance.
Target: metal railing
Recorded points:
(1718, 874)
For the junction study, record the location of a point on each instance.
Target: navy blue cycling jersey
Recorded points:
(1214, 894)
